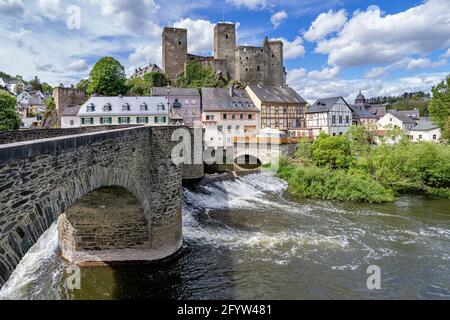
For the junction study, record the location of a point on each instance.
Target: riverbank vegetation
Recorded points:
(350, 168)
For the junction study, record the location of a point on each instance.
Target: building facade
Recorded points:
(249, 65)
(70, 119)
(149, 111)
(227, 113)
(185, 102)
(281, 108)
(151, 68)
(426, 130)
(394, 120)
(332, 116)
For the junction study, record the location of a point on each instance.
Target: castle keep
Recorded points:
(246, 64)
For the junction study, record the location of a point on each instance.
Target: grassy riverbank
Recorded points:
(350, 168)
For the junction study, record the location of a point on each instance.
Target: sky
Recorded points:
(332, 47)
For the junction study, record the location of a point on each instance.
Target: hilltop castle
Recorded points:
(246, 64)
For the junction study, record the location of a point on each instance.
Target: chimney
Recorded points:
(231, 91)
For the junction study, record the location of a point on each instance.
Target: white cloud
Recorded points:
(294, 49)
(200, 35)
(324, 74)
(446, 55)
(51, 8)
(12, 7)
(407, 64)
(325, 24)
(278, 18)
(251, 4)
(371, 38)
(143, 55)
(78, 65)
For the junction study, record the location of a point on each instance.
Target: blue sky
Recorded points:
(332, 47)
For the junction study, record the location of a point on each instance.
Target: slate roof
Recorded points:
(174, 92)
(277, 94)
(220, 99)
(71, 111)
(414, 114)
(118, 102)
(404, 118)
(425, 124)
(377, 110)
(361, 112)
(323, 105)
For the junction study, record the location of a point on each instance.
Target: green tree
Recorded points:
(440, 103)
(83, 85)
(9, 118)
(335, 152)
(155, 79)
(36, 84)
(45, 87)
(107, 78)
(199, 76)
(138, 87)
(446, 131)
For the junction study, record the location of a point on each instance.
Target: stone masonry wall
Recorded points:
(39, 180)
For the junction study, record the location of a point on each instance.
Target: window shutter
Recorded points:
(120, 120)
(92, 120)
(129, 120)
(101, 120)
(156, 119)
(83, 121)
(164, 119)
(146, 119)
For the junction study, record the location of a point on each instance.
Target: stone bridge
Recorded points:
(41, 179)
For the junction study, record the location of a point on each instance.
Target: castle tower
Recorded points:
(174, 51)
(225, 44)
(277, 74)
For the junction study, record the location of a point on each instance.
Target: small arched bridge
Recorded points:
(41, 179)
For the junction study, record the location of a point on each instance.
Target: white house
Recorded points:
(425, 130)
(332, 116)
(228, 113)
(2, 83)
(69, 117)
(150, 111)
(396, 120)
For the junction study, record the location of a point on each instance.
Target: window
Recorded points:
(250, 116)
(420, 137)
(193, 101)
(209, 118)
(107, 107)
(72, 123)
(333, 120)
(126, 107)
(224, 116)
(144, 107)
(340, 120)
(220, 128)
(390, 119)
(259, 68)
(226, 36)
(141, 120)
(186, 101)
(434, 137)
(230, 129)
(233, 116)
(91, 108)
(107, 120)
(238, 128)
(241, 116)
(246, 69)
(124, 120)
(160, 120)
(162, 107)
(347, 119)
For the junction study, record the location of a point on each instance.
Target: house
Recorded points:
(281, 108)
(2, 83)
(33, 102)
(363, 117)
(69, 117)
(362, 103)
(425, 130)
(15, 86)
(21, 110)
(184, 103)
(149, 111)
(332, 116)
(394, 120)
(228, 113)
(151, 68)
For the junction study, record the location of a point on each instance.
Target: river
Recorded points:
(246, 239)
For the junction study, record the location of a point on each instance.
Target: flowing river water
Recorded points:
(246, 239)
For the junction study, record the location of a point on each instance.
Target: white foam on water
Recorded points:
(28, 270)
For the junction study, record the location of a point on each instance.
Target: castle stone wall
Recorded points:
(174, 46)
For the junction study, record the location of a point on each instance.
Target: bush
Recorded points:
(9, 118)
(335, 152)
(325, 183)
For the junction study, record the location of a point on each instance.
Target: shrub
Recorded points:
(335, 152)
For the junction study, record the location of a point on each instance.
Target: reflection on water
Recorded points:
(245, 240)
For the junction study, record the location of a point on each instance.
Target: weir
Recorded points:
(40, 179)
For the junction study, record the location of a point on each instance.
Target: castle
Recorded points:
(246, 64)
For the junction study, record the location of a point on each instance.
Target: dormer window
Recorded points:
(161, 107)
(126, 107)
(107, 107)
(144, 107)
(91, 108)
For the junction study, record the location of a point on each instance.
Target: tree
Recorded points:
(45, 87)
(9, 118)
(440, 103)
(199, 76)
(138, 87)
(155, 79)
(335, 152)
(36, 84)
(107, 78)
(446, 131)
(83, 85)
